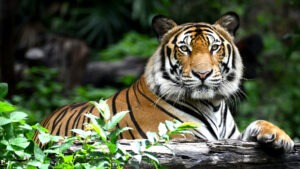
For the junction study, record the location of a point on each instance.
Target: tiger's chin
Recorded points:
(206, 93)
(203, 94)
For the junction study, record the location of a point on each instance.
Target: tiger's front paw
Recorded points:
(269, 135)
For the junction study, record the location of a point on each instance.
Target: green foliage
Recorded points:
(99, 145)
(113, 156)
(84, 93)
(132, 44)
(14, 133)
(94, 21)
(41, 93)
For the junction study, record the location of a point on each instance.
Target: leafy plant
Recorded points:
(99, 141)
(132, 44)
(40, 93)
(113, 155)
(14, 133)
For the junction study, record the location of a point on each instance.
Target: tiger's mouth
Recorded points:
(203, 87)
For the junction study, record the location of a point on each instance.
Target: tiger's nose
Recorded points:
(202, 74)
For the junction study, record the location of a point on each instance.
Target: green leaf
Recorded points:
(4, 142)
(38, 164)
(6, 107)
(17, 116)
(136, 147)
(22, 154)
(68, 158)
(8, 146)
(3, 89)
(183, 128)
(83, 134)
(91, 116)
(19, 142)
(113, 136)
(38, 153)
(152, 137)
(4, 121)
(170, 125)
(103, 108)
(30, 167)
(34, 163)
(44, 138)
(67, 144)
(102, 164)
(99, 130)
(151, 156)
(162, 129)
(40, 128)
(188, 125)
(115, 120)
(112, 147)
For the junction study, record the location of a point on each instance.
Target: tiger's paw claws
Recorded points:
(270, 136)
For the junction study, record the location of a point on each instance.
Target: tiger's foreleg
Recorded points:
(269, 135)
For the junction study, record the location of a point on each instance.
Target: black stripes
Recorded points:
(223, 122)
(58, 118)
(68, 121)
(163, 62)
(77, 118)
(231, 53)
(158, 106)
(114, 106)
(137, 126)
(233, 130)
(135, 93)
(168, 51)
(114, 109)
(198, 115)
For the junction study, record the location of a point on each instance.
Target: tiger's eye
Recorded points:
(184, 48)
(214, 47)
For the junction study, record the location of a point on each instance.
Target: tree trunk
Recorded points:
(7, 16)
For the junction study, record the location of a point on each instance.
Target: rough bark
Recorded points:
(222, 154)
(227, 154)
(231, 154)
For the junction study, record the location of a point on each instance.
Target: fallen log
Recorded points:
(220, 154)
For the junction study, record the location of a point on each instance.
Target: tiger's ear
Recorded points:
(162, 25)
(230, 22)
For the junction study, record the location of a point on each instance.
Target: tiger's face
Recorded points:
(195, 60)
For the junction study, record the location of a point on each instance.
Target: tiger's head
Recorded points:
(195, 60)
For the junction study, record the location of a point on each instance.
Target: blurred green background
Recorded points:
(115, 29)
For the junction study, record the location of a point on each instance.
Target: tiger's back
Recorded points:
(137, 99)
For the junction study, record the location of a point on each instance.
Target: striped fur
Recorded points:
(195, 69)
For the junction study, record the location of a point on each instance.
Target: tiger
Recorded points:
(190, 77)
